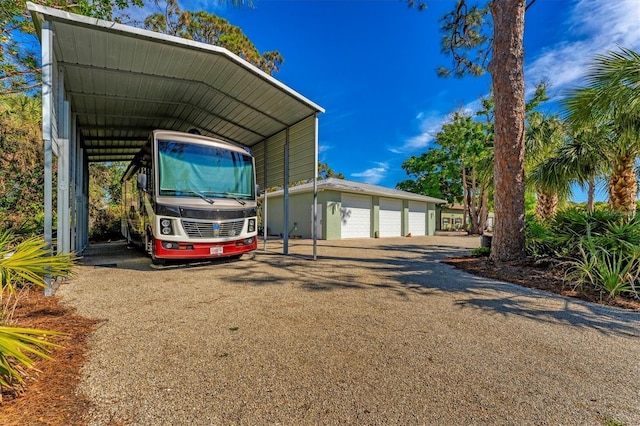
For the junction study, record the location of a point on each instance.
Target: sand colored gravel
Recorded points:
(373, 332)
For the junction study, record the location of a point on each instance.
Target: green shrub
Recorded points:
(539, 240)
(481, 251)
(105, 225)
(603, 248)
(609, 272)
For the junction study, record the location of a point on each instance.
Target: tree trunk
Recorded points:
(623, 186)
(484, 209)
(591, 195)
(546, 205)
(466, 199)
(507, 74)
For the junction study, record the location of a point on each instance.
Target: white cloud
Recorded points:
(430, 125)
(375, 174)
(595, 26)
(324, 148)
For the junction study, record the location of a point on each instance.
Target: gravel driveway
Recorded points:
(374, 332)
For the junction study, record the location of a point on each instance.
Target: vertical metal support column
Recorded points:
(47, 102)
(85, 200)
(314, 231)
(285, 236)
(73, 196)
(264, 190)
(64, 168)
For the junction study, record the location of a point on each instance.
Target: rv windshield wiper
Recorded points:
(204, 197)
(230, 195)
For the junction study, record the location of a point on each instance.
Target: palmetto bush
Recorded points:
(538, 237)
(602, 248)
(24, 264)
(612, 273)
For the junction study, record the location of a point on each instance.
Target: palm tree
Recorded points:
(611, 101)
(583, 160)
(545, 134)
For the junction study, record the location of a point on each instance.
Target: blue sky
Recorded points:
(371, 65)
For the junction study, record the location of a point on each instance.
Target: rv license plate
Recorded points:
(215, 250)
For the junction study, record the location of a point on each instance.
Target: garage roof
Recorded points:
(123, 82)
(342, 185)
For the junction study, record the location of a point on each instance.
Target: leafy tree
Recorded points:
(611, 101)
(326, 172)
(211, 29)
(19, 61)
(433, 174)
(104, 200)
(457, 170)
(460, 168)
(21, 162)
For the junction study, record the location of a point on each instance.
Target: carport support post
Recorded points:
(264, 204)
(64, 154)
(47, 102)
(314, 230)
(285, 236)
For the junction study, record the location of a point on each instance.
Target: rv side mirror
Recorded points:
(258, 191)
(142, 182)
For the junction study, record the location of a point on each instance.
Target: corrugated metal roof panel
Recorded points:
(343, 185)
(125, 80)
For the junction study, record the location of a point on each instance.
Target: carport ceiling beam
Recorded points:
(110, 157)
(116, 138)
(174, 103)
(175, 79)
(156, 117)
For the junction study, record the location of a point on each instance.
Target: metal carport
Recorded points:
(105, 86)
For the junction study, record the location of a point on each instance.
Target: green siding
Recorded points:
(332, 220)
(405, 217)
(431, 219)
(275, 216)
(375, 217)
(330, 209)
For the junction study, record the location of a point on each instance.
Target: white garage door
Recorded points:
(356, 216)
(390, 217)
(417, 218)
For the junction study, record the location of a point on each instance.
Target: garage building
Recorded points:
(349, 209)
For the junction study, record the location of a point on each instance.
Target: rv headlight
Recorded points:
(166, 226)
(251, 226)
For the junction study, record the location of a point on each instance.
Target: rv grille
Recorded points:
(212, 229)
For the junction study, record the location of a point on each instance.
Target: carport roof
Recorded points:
(342, 185)
(123, 82)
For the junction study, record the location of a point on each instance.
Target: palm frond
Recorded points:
(21, 345)
(29, 262)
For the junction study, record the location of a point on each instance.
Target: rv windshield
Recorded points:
(195, 170)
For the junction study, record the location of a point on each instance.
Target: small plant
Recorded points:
(24, 264)
(16, 344)
(610, 272)
(481, 251)
(612, 422)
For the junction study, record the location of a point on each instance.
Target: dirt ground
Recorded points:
(541, 275)
(48, 396)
